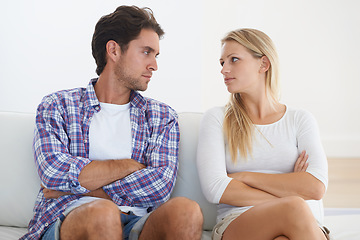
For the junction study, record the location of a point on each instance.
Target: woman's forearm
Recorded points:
(240, 194)
(301, 184)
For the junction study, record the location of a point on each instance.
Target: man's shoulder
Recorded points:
(158, 106)
(154, 108)
(66, 93)
(62, 98)
(153, 103)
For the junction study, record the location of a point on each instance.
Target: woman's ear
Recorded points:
(265, 64)
(112, 50)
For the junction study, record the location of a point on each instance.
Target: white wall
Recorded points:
(45, 47)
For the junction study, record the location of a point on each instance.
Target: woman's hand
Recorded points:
(301, 163)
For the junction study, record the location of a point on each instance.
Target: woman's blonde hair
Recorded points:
(238, 127)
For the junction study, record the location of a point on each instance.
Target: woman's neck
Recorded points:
(262, 111)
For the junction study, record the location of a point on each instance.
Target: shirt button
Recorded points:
(97, 108)
(46, 224)
(85, 141)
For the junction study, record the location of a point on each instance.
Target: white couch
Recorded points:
(20, 183)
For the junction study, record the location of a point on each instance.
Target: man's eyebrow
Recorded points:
(150, 49)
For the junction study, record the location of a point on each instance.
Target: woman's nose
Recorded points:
(224, 70)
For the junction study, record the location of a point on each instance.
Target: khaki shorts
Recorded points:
(221, 226)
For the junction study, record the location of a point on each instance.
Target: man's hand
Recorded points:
(48, 193)
(301, 163)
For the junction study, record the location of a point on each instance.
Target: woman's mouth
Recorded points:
(228, 80)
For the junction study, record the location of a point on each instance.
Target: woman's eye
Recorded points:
(222, 64)
(234, 59)
(147, 52)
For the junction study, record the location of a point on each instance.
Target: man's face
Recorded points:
(135, 66)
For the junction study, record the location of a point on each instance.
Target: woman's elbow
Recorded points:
(317, 191)
(210, 197)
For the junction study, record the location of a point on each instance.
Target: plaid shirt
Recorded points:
(61, 148)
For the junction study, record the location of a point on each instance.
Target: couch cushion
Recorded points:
(187, 182)
(19, 180)
(11, 233)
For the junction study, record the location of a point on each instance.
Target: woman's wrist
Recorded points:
(239, 176)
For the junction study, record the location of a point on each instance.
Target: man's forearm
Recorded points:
(100, 193)
(97, 174)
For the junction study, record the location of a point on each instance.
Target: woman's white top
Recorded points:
(275, 150)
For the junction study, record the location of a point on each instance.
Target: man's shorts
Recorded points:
(132, 226)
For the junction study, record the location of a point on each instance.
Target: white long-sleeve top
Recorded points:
(275, 150)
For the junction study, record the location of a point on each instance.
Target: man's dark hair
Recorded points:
(121, 26)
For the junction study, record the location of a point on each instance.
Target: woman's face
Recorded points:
(241, 70)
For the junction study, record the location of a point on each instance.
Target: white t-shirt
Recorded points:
(110, 133)
(275, 150)
(111, 138)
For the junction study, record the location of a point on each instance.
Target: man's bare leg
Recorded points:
(99, 219)
(179, 218)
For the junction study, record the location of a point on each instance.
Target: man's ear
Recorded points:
(112, 50)
(265, 64)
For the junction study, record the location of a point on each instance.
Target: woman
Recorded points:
(259, 159)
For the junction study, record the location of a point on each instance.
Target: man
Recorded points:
(106, 156)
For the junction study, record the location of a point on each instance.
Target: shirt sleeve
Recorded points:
(308, 139)
(57, 168)
(211, 162)
(151, 186)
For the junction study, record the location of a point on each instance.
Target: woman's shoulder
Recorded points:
(215, 112)
(219, 110)
(214, 115)
(299, 115)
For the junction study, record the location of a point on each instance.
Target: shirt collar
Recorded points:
(89, 96)
(137, 100)
(90, 99)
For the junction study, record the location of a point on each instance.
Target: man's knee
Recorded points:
(187, 210)
(103, 212)
(96, 218)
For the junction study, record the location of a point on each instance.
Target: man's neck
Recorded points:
(109, 91)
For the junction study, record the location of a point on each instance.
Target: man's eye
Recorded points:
(222, 63)
(147, 52)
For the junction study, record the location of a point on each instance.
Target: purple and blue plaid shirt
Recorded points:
(61, 148)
